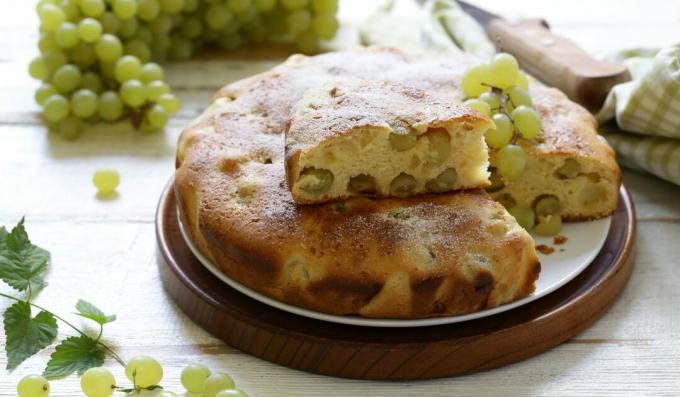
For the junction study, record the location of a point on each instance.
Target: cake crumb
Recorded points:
(545, 249)
(560, 239)
(561, 249)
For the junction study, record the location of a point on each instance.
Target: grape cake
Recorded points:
(422, 256)
(381, 139)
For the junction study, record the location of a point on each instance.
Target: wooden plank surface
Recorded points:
(103, 250)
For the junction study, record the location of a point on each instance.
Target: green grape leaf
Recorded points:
(88, 310)
(3, 236)
(74, 354)
(26, 335)
(21, 262)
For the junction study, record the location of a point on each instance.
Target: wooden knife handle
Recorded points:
(557, 61)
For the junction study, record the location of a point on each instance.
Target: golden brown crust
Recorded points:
(406, 258)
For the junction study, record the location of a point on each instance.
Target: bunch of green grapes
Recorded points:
(145, 373)
(499, 90)
(99, 58)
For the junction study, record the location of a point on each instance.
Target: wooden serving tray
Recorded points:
(393, 353)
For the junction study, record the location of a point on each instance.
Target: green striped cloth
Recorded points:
(646, 134)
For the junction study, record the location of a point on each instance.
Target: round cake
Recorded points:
(422, 256)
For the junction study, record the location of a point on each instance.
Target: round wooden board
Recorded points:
(393, 353)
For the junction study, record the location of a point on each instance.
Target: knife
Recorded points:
(553, 59)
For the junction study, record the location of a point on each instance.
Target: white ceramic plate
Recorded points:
(585, 239)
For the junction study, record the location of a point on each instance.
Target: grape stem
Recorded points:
(101, 329)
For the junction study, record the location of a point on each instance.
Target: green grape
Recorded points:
(522, 81)
(169, 102)
(307, 42)
(89, 30)
(244, 17)
(92, 8)
(502, 134)
(101, 383)
(108, 48)
(155, 89)
(33, 386)
(159, 50)
(151, 71)
(71, 10)
(517, 97)
(56, 107)
(38, 69)
(524, 216)
(66, 35)
(192, 27)
(108, 70)
(230, 42)
(128, 28)
(492, 100)
(325, 6)
(110, 22)
(137, 48)
(474, 80)
(166, 393)
(548, 225)
(91, 81)
(144, 34)
(294, 4)
(84, 103)
(83, 55)
(70, 128)
(181, 49)
(479, 105)
(67, 78)
(325, 26)
(511, 161)
(238, 5)
(504, 70)
(161, 25)
(257, 31)
(527, 121)
(231, 393)
(51, 16)
(125, 9)
(299, 21)
(133, 93)
(110, 106)
(215, 383)
(218, 17)
(47, 42)
(54, 59)
(144, 371)
(172, 6)
(43, 92)
(264, 5)
(193, 377)
(148, 10)
(128, 67)
(190, 5)
(157, 117)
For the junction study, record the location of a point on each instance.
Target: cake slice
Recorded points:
(376, 138)
(571, 171)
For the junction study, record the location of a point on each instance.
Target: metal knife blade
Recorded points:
(480, 15)
(485, 17)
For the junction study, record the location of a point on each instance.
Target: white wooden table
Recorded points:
(103, 250)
